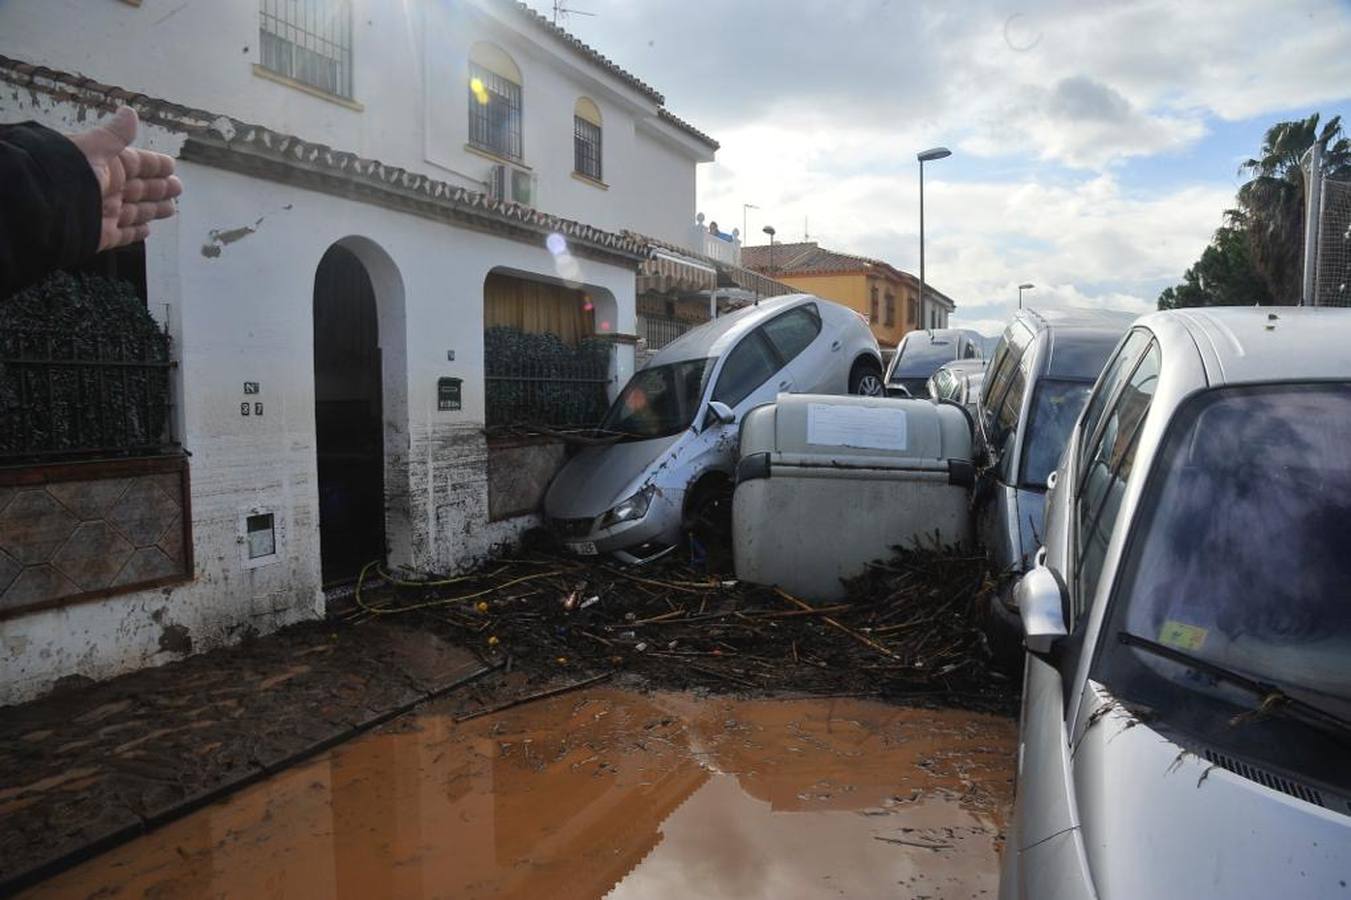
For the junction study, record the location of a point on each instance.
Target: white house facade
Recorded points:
(366, 187)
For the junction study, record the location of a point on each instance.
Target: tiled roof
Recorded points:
(667, 116)
(572, 41)
(255, 149)
(521, 8)
(809, 258)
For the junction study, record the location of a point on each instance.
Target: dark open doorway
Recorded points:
(348, 417)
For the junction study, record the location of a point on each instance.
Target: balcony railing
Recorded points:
(722, 246)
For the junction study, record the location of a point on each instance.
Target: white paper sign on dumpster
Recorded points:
(865, 427)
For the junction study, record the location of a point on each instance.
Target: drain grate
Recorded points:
(1267, 779)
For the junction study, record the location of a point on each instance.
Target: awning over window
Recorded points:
(668, 273)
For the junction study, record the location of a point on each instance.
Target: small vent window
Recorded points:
(261, 536)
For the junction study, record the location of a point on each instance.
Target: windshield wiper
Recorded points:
(1274, 699)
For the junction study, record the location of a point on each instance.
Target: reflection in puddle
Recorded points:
(641, 795)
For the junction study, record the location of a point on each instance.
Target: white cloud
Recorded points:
(820, 107)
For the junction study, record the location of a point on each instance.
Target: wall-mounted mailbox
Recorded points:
(447, 394)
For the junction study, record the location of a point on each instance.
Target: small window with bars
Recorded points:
(309, 41)
(586, 148)
(494, 113)
(891, 309)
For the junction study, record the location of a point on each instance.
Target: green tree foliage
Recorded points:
(1256, 256)
(1273, 199)
(1223, 276)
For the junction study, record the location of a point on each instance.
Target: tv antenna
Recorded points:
(562, 9)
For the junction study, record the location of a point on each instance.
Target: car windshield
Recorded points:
(1241, 558)
(920, 359)
(659, 401)
(1055, 408)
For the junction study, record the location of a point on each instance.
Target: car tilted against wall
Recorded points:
(1187, 701)
(673, 424)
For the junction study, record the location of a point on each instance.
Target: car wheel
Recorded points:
(865, 380)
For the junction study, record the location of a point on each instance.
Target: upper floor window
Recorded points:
(586, 139)
(309, 41)
(872, 306)
(494, 101)
(891, 309)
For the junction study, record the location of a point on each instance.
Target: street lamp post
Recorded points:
(1023, 287)
(769, 230)
(926, 156)
(745, 234)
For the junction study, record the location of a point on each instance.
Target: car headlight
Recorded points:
(634, 507)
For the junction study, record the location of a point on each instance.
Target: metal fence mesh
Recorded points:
(535, 379)
(659, 331)
(1332, 281)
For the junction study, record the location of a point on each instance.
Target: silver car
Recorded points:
(1187, 698)
(676, 450)
(958, 382)
(1036, 385)
(920, 353)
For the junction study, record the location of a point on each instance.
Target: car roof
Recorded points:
(938, 335)
(1250, 344)
(713, 338)
(1075, 317)
(965, 365)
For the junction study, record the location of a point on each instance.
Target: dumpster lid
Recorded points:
(845, 426)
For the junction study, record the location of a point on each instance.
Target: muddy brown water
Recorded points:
(606, 793)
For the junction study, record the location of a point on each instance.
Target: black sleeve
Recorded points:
(49, 205)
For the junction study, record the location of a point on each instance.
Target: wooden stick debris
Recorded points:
(530, 698)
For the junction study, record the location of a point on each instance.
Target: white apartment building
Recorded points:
(370, 186)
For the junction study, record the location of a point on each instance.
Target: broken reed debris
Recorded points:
(910, 626)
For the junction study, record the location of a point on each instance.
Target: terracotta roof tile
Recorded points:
(667, 116)
(219, 139)
(809, 258)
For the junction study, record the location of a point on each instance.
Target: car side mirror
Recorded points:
(719, 413)
(1040, 596)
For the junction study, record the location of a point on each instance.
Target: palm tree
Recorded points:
(1272, 201)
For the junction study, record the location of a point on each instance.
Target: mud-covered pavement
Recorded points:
(605, 792)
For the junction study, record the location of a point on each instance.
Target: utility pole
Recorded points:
(1313, 202)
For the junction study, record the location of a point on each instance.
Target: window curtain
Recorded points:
(536, 307)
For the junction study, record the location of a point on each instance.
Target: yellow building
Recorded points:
(887, 296)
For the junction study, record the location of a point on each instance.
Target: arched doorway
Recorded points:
(348, 415)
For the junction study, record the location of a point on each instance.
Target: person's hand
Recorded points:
(138, 186)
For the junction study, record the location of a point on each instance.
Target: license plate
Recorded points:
(583, 548)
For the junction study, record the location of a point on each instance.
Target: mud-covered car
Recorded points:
(674, 450)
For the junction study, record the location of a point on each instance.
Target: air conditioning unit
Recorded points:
(512, 184)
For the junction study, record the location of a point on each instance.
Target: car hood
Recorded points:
(1158, 821)
(599, 477)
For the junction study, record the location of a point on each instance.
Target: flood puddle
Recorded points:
(606, 793)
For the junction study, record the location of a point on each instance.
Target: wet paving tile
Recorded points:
(606, 793)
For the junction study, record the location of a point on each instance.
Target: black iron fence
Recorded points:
(538, 380)
(659, 331)
(69, 396)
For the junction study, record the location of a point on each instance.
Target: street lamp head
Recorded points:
(1026, 287)
(769, 230)
(935, 153)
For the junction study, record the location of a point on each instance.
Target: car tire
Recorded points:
(865, 379)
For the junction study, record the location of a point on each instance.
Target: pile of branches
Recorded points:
(908, 628)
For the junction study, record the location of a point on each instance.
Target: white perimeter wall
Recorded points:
(410, 76)
(242, 311)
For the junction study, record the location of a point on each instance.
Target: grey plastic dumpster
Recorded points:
(826, 484)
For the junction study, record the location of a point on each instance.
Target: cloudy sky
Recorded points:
(1095, 143)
